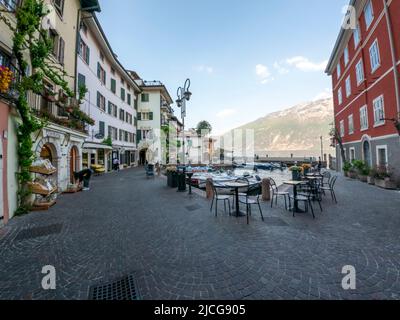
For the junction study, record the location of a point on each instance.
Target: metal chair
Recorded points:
(306, 198)
(331, 188)
(326, 177)
(249, 201)
(276, 193)
(218, 197)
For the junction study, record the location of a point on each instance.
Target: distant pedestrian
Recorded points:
(116, 164)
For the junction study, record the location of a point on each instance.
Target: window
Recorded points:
(145, 97)
(81, 80)
(61, 49)
(121, 132)
(84, 51)
(374, 56)
(364, 118)
(348, 86)
(145, 116)
(351, 124)
(340, 96)
(101, 73)
(101, 101)
(357, 36)
(102, 128)
(129, 99)
(114, 86)
(123, 94)
(58, 45)
(368, 14)
(113, 133)
(59, 6)
(352, 154)
(110, 108)
(338, 71)
(382, 156)
(121, 115)
(379, 112)
(346, 56)
(360, 72)
(342, 128)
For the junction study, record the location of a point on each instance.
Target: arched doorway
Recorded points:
(73, 163)
(142, 157)
(47, 153)
(367, 152)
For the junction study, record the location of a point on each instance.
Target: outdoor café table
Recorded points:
(295, 184)
(236, 186)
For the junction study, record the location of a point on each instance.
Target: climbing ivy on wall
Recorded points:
(32, 48)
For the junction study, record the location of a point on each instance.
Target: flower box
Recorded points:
(385, 184)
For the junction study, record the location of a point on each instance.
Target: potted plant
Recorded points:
(306, 168)
(383, 178)
(296, 173)
(172, 176)
(362, 169)
(353, 173)
(346, 168)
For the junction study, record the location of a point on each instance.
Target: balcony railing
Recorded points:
(45, 109)
(11, 5)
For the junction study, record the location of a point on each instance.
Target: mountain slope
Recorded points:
(296, 130)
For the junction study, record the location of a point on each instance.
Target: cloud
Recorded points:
(326, 94)
(281, 70)
(226, 113)
(264, 74)
(304, 64)
(204, 69)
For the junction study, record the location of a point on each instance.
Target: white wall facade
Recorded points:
(94, 85)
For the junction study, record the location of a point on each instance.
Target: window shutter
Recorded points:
(61, 54)
(98, 70)
(105, 77)
(98, 99)
(139, 136)
(109, 107)
(81, 80)
(150, 115)
(101, 127)
(113, 85)
(87, 55)
(139, 116)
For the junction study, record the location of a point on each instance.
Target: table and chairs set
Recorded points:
(247, 192)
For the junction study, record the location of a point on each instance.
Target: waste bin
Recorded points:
(181, 179)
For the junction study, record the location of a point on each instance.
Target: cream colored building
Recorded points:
(60, 142)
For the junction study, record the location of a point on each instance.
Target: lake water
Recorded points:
(278, 175)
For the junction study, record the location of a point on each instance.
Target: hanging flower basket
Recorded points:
(5, 79)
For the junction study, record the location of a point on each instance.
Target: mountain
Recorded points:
(296, 130)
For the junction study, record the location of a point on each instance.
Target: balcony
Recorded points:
(54, 112)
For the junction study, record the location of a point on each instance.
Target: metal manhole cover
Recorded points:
(122, 289)
(38, 232)
(193, 207)
(275, 222)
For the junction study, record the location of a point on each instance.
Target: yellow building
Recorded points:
(61, 141)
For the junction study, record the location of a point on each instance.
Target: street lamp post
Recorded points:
(183, 95)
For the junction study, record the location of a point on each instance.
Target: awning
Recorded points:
(92, 145)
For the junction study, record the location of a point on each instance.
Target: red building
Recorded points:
(365, 68)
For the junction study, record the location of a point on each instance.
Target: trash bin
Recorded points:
(181, 179)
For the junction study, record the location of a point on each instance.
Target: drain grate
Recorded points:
(122, 289)
(193, 207)
(275, 222)
(39, 232)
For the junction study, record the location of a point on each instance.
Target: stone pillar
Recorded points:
(266, 189)
(209, 189)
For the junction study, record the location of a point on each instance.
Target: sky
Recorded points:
(245, 59)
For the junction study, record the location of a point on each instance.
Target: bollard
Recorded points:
(209, 189)
(266, 190)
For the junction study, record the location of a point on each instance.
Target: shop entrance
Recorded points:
(142, 157)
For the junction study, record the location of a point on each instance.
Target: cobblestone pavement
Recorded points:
(177, 249)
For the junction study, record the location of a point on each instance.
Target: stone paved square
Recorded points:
(127, 224)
